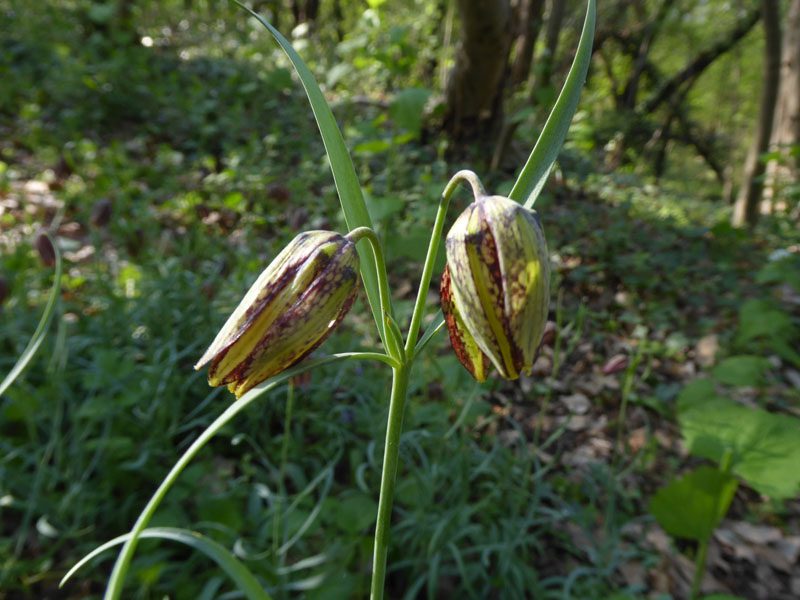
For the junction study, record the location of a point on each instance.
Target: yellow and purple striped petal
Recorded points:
(497, 256)
(289, 311)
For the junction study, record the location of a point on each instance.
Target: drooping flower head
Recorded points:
(496, 288)
(293, 306)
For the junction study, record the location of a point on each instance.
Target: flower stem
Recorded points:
(433, 249)
(277, 523)
(699, 567)
(356, 235)
(468, 176)
(391, 452)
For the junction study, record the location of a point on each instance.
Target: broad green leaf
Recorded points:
(765, 447)
(742, 371)
(784, 270)
(407, 108)
(382, 207)
(413, 245)
(41, 329)
(372, 147)
(759, 318)
(691, 507)
(224, 558)
(344, 174)
(695, 393)
(534, 174)
(722, 597)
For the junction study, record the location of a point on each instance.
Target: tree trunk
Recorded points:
(745, 211)
(786, 130)
(475, 86)
(555, 18)
(530, 19)
(305, 11)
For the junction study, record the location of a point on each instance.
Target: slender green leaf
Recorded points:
(41, 330)
(534, 174)
(344, 174)
(120, 571)
(436, 324)
(224, 558)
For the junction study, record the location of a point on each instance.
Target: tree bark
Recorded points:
(786, 129)
(745, 211)
(529, 16)
(475, 86)
(555, 18)
(305, 11)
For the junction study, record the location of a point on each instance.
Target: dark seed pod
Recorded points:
(615, 364)
(47, 254)
(3, 289)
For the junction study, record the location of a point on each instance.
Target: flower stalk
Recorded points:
(391, 453)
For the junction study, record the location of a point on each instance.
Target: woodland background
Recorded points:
(170, 150)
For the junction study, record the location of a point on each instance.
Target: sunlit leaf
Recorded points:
(224, 558)
(344, 174)
(764, 446)
(41, 330)
(534, 174)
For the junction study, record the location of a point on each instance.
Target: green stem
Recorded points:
(277, 525)
(702, 549)
(356, 236)
(41, 329)
(627, 388)
(391, 453)
(115, 582)
(433, 249)
(699, 567)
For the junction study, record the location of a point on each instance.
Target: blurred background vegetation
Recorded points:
(170, 150)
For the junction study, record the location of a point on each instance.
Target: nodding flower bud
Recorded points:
(44, 246)
(496, 288)
(294, 305)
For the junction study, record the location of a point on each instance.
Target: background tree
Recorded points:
(746, 208)
(786, 130)
(528, 14)
(475, 86)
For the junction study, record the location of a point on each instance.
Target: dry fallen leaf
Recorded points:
(756, 534)
(706, 350)
(637, 439)
(615, 364)
(577, 403)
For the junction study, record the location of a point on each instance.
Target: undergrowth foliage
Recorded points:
(289, 488)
